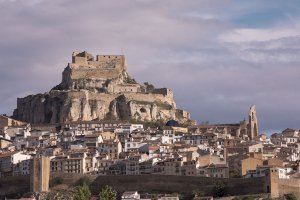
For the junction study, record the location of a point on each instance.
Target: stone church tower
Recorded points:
(253, 123)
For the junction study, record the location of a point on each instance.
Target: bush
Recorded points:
(107, 193)
(290, 196)
(58, 181)
(83, 181)
(187, 196)
(220, 189)
(82, 192)
(234, 174)
(199, 193)
(129, 80)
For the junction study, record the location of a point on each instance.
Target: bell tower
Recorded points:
(252, 123)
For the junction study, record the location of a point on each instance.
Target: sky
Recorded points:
(218, 56)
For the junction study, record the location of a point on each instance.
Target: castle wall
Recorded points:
(150, 97)
(80, 73)
(183, 113)
(163, 91)
(107, 58)
(120, 88)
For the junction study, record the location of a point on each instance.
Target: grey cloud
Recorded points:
(216, 80)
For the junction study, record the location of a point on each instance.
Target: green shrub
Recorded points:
(83, 181)
(220, 189)
(82, 192)
(129, 80)
(290, 196)
(58, 181)
(107, 193)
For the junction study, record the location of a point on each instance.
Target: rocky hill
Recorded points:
(99, 89)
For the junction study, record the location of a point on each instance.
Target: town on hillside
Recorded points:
(103, 149)
(99, 134)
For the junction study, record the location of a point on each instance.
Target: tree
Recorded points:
(83, 180)
(290, 196)
(220, 189)
(234, 174)
(107, 193)
(199, 193)
(58, 181)
(82, 192)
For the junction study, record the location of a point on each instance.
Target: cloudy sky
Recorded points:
(218, 56)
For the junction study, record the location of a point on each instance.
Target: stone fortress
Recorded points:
(99, 88)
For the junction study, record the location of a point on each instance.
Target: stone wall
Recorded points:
(14, 186)
(167, 184)
(287, 186)
(164, 91)
(183, 113)
(6, 121)
(124, 88)
(150, 97)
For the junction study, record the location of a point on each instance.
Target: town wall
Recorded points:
(14, 186)
(287, 186)
(167, 184)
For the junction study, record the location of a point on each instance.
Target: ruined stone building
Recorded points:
(99, 88)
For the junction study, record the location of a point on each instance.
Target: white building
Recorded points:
(10, 162)
(130, 195)
(171, 138)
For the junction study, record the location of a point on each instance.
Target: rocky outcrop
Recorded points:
(99, 89)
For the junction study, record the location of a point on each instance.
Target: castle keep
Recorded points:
(99, 88)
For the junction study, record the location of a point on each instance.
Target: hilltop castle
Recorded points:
(99, 88)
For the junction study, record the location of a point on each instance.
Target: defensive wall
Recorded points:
(85, 72)
(287, 186)
(103, 67)
(16, 186)
(166, 184)
(150, 97)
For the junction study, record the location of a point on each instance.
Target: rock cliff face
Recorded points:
(99, 89)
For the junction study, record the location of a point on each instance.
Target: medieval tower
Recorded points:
(39, 174)
(253, 123)
(271, 183)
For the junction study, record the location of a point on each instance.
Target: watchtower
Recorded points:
(272, 182)
(39, 174)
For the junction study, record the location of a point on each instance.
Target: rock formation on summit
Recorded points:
(99, 89)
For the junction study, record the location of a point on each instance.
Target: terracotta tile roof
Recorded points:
(7, 154)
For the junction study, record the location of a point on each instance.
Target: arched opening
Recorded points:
(143, 110)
